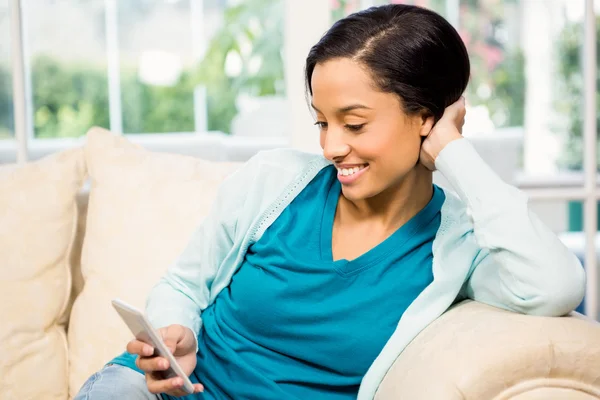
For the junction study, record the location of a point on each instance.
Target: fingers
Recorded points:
(164, 385)
(456, 112)
(198, 388)
(172, 387)
(140, 348)
(180, 392)
(171, 335)
(177, 339)
(151, 364)
(155, 383)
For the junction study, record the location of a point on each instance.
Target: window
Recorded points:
(153, 66)
(526, 73)
(216, 78)
(154, 47)
(65, 58)
(6, 103)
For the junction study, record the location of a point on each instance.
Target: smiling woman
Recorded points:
(374, 106)
(313, 272)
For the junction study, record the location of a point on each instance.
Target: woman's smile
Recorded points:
(349, 175)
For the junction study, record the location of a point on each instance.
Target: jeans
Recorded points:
(116, 382)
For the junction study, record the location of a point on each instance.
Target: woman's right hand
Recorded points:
(181, 342)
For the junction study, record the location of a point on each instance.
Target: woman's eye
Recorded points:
(321, 124)
(355, 128)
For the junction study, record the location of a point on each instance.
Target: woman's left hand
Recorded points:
(447, 129)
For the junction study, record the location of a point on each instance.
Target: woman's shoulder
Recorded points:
(278, 163)
(288, 158)
(269, 172)
(279, 167)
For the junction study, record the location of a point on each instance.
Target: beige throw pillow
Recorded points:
(143, 208)
(38, 217)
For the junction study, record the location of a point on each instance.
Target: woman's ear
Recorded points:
(427, 122)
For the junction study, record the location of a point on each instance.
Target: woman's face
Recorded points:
(371, 141)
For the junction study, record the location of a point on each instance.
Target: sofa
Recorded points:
(104, 220)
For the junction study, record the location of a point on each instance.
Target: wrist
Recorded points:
(454, 135)
(445, 141)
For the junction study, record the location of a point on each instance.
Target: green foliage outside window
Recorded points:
(259, 24)
(67, 99)
(6, 104)
(70, 98)
(569, 99)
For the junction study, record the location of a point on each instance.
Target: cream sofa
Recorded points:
(89, 224)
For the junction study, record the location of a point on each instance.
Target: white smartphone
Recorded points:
(142, 330)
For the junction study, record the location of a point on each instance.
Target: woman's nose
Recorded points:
(335, 145)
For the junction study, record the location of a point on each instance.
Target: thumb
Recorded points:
(171, 335)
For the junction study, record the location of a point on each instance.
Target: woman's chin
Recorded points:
(356, 193)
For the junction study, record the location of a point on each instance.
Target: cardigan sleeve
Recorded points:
(523, 265)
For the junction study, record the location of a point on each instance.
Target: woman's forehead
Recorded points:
(341, 78)
(340, 72)
(342, 82)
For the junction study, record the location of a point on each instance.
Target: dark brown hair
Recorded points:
(410, 51)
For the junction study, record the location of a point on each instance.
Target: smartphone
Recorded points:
(142, 330)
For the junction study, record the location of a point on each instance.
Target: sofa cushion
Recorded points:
(143, 208)
(38, 217)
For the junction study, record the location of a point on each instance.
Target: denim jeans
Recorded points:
(116, 382)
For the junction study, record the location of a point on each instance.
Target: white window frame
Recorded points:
(306, 21)
(209, 145)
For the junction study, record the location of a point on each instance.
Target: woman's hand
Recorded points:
(447, 129)
(182, 343)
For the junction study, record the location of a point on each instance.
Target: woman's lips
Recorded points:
(351, 178)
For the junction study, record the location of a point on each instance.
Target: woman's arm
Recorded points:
(195, 278)
(184, 291)
(523, 265)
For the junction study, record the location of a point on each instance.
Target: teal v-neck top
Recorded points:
(294, 323)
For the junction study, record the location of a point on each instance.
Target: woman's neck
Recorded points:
(393, 207)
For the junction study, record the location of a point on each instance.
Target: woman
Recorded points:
(313, 273)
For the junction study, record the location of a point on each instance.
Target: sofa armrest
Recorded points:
(479, 352)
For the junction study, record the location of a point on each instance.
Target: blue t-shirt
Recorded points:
(294, 323)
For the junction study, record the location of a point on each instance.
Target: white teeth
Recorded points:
(349, 171)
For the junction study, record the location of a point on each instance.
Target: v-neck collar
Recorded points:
(394, 241)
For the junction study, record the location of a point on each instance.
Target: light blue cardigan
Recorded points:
(489, 248)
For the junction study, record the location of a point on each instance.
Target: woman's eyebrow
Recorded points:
(345, 109)
(352, 107)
